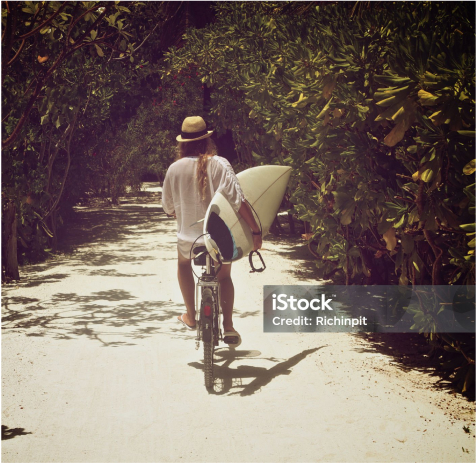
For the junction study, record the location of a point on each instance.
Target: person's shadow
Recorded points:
(227, 378)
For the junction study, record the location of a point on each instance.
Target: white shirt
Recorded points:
(180, 195)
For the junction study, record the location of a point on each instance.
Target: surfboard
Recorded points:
(263, 188)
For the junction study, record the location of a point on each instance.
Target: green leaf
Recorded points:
(398, 92)
(469, 168)
(427, 175)
(392, 80)
(438, 117)
(396, 134)
(342, 200)
(100, 52)
(324, 110)
(391, 100)
(400, 222)
(346, 217)
(413, 216)
(304, 101)
(466, 133)
(427, 99)
(390, 239)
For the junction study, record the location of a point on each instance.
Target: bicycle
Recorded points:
(208, 317)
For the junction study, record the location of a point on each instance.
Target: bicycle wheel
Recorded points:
(208, 349)
(208, 334)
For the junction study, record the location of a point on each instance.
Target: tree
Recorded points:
(75, 74)
(375, 114)
(48, 51)
(312, 91)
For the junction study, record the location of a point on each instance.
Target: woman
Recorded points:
(186, 194)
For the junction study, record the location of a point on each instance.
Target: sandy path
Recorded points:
(96, 369)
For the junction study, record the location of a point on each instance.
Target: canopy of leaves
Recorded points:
(74, 76)
(374, 112)
(373, 108)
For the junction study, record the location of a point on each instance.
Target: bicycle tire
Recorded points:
(208, 350)
(208, 335)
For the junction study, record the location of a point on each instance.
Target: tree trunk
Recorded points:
(53, 228)
(292, 228)
(11, 260)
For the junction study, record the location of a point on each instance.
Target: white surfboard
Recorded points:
(264, 188)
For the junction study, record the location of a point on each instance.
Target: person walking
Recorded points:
(186, 194)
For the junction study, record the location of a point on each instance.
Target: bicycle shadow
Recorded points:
(227, 378)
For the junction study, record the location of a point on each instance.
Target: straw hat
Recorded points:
(193, 128)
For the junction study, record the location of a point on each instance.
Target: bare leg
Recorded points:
(227, 293)
(187, 286)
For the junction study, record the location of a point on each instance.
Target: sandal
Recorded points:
(232, 338)
(180, 319)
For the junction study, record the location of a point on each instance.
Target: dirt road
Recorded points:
(96, 368)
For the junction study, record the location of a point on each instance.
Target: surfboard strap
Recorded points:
(253, 268)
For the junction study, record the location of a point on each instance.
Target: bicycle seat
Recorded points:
(199, 249)
(200, 255)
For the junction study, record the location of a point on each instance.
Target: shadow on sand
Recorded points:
(10, 433)
(227, 379)
(294, 248)
(68, 316)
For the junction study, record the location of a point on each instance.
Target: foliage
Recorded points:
(326, 94)
(86, 110)
(373, 108)
(57, 86)
(374, 112)
(123, 154)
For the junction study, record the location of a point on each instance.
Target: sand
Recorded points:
(95, 367)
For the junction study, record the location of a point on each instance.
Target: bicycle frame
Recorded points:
(208, 280)
(208, 314)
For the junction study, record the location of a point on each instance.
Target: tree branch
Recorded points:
(34, 31)
(87, 102)
(31, 102)
(71, 24)
(94, 8)
(5, 28)
(133, 51)
(438, 252)
(52, 157)
(93, 25)
(17, 54)
(69, 131)
(8, 33)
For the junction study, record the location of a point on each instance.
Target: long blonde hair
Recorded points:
(203, 149)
